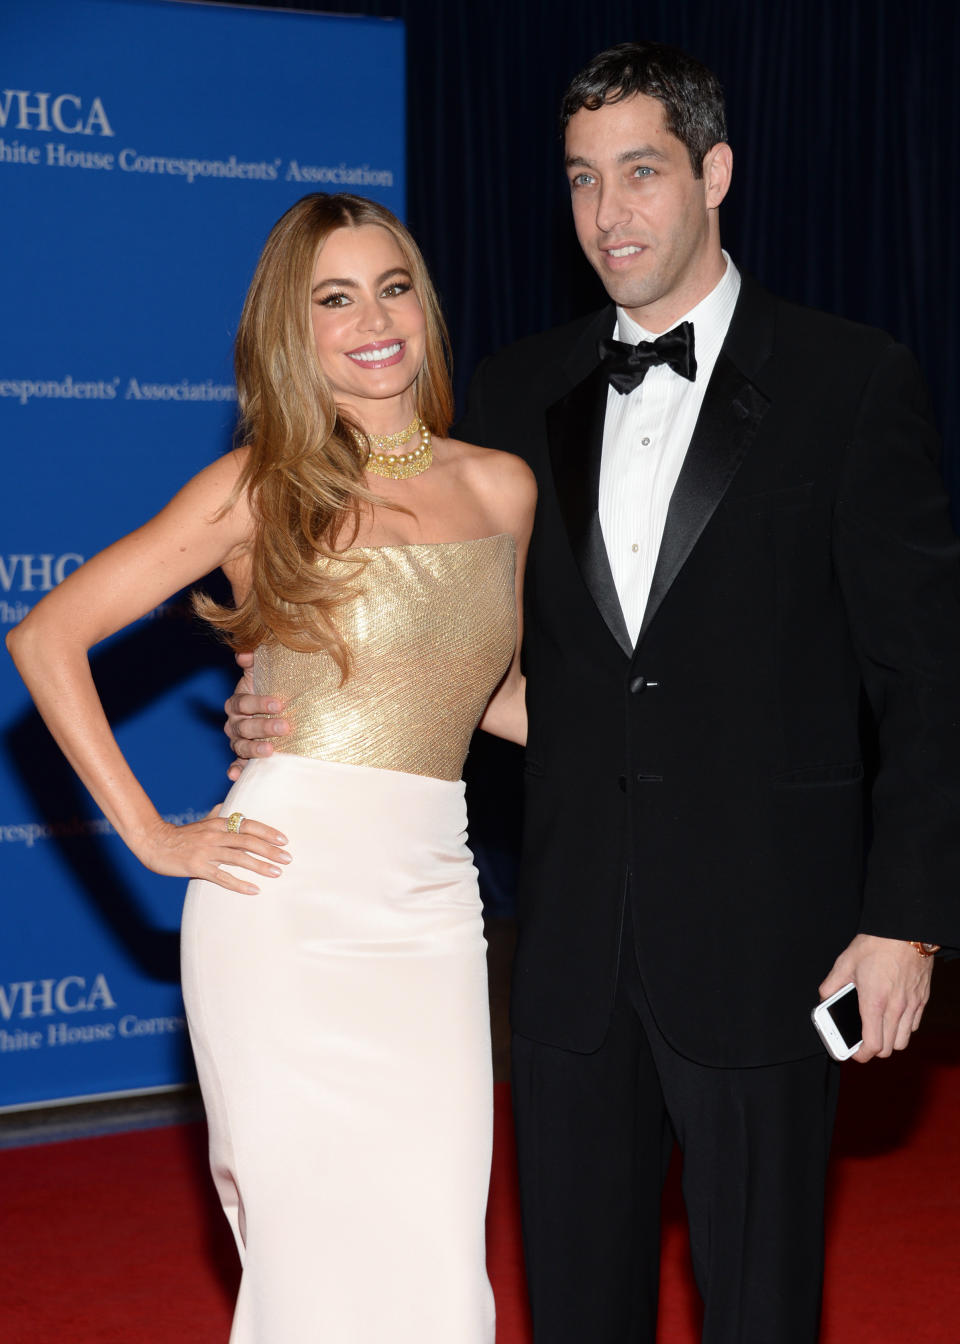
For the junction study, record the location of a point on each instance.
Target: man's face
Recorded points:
(642, 218)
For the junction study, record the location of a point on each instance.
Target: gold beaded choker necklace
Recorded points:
(382, 443)
(397, 466)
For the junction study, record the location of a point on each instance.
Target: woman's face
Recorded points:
(368, 326)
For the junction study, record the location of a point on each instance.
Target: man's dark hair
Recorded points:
(690, 93)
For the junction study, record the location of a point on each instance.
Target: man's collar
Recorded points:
(710, 317)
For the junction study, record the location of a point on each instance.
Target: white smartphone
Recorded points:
(837, 1020)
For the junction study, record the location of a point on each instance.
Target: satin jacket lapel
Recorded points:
(729, 419)
(575, 434)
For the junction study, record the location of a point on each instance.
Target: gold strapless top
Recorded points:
(431, 631)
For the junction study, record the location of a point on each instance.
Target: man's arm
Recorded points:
(248, 720)
(898, 563)
(893, 986)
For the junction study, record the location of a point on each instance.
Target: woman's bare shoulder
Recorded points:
(229, 468)
(494, 470)
(214, 500)
(224, 476)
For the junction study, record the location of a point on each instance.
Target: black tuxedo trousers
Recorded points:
(594, 1134)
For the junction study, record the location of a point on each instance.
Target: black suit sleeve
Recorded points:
(898, 562)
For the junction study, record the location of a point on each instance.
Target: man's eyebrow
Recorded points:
(626, 156)
(355, 284)
(641, 152)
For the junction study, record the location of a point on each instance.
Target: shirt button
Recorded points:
(645, 442)
(634, 547)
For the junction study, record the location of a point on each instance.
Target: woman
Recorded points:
(338, 1015)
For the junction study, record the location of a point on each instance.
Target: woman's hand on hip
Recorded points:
(201, 848)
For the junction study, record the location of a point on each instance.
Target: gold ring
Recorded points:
(234, 822)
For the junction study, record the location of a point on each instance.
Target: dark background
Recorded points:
(844, 121)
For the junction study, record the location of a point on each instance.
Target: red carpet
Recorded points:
(117, 1240)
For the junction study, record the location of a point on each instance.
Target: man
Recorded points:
(742, 575)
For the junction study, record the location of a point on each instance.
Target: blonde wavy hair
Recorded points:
(304, 473)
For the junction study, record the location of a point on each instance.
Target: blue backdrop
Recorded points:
(146, 146)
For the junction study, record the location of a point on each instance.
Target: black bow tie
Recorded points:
(626, 365)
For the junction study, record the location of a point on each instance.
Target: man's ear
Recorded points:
(717, 172)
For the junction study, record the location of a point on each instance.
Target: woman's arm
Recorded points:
(185, 541)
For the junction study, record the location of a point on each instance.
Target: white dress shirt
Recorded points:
(646, 434)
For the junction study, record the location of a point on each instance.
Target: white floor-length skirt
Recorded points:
(340, 1027)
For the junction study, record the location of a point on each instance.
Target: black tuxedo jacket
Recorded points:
(804, 619)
